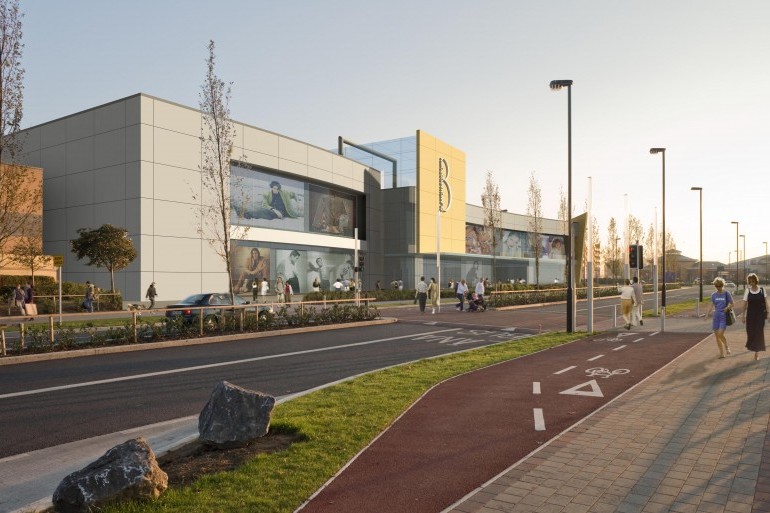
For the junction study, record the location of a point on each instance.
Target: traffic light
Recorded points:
(360, 262)
(635, 257)
(632, 256)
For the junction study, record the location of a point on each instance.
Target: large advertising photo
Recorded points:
(512, 243)
(262, 199)
(305, 270)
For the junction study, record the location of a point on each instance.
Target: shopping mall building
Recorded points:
(135, 163)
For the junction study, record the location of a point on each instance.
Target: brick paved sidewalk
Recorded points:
(689, 439)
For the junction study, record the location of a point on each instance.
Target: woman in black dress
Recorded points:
(754, 313)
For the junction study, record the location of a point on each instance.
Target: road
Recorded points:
(66, 400)
(60, 401)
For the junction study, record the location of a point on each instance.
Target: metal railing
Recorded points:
(208, 319)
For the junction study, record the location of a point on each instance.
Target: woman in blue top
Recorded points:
(721, 302)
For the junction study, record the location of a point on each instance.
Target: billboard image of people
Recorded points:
(326, 267)
(250, 264)
(262, 199)
(289, 266)
(331, 211)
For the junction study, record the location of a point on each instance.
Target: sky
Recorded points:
(688, 75)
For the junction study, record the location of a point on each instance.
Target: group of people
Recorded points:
(754, 314)
(631, 299)
(475, 297)
(23, 299)
(424, 292)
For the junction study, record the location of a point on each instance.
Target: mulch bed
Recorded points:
(190, 462)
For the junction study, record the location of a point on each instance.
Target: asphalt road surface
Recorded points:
(53, 402)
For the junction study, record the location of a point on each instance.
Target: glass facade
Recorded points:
(404, 150)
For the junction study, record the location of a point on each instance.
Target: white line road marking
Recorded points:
(208, 366)
(638, 340)
(535, 387)
(654, 333)
(539, 420)
(557, 372)
(619, 348)
(595, 357)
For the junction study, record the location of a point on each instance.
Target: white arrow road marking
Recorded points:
(576, 390)
(539, 420)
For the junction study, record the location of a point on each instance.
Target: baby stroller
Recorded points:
(476, 304)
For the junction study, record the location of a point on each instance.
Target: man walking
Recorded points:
(151, 293)
(627, 304)
(461, 290)
(421, 294)
(88, 302)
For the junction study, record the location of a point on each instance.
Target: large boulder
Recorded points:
(234, 416)
(127, 471)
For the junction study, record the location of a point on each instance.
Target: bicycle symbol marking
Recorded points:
(601, 372)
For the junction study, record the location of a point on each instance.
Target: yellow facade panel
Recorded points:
(434, 155)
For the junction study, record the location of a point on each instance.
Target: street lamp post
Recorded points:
(662, 151)
(737, 255)
(557, 85)
(744, 261)
(700, 270)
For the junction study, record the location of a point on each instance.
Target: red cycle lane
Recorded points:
(468, 429)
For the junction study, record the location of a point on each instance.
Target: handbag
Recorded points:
(730, 317)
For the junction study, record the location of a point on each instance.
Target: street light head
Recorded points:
(558, 84)
(696, 188)
(657, 150)
(733, 222)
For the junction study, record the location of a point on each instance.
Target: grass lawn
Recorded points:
(337, 422)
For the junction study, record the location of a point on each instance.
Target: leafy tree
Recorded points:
(19, 200)
(217, 135)
(108, 246)
(535, 213)
(635, 230)
(490, 201)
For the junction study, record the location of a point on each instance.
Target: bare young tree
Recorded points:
(562, 216)
(635, 230)
(490, 201)
(535, 213)
(20, 199)
(612, 254)
(29, 253)
(217, 135)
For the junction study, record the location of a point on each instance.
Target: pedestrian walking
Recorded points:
(461, 290)
(754, 315)
(88, 299)
(421, 293)
(627, 302)
(480, 289)
(280, 290)
(264, 290)
(433, 294)
(721, 304)
(254, 290)
(17, 299)
(151, 295)
(639, 297)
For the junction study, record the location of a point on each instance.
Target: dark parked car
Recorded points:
(188, 307)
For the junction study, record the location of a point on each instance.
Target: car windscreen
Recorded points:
(195, 299)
